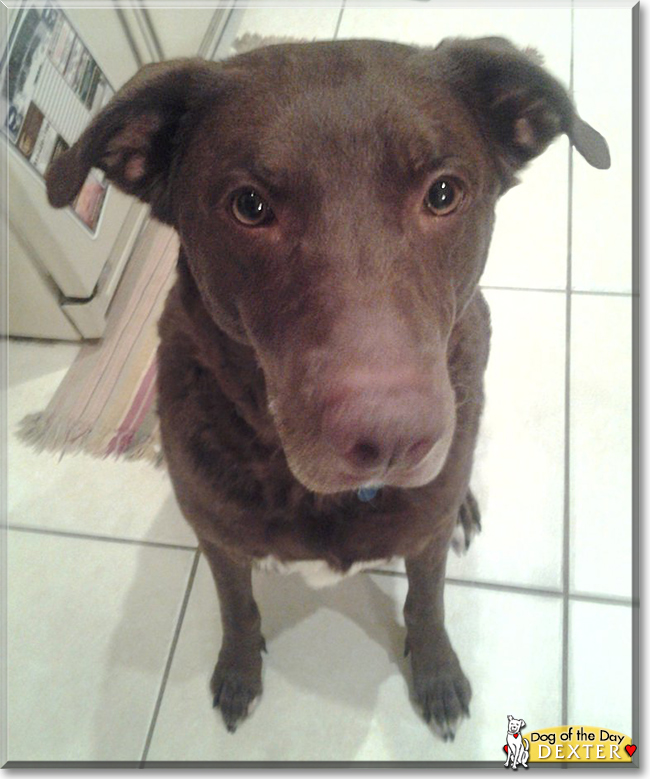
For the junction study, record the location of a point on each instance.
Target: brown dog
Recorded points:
(323, 349)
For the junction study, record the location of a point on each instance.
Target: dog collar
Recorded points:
(368, 493)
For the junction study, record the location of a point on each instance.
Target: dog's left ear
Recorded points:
(522, 723)
(521, 108)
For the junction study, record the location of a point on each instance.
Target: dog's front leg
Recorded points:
(523, 758)
(441, 688)
(237, 678)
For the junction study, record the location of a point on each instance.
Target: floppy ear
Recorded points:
(521, 108)
(522, 724)
(136, 137)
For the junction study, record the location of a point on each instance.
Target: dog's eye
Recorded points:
(443, 197)
(251, 209)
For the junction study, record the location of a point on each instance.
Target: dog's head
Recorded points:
(515, 725)
(335, 204)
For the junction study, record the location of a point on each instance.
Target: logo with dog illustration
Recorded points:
(561, 744)
(516, 746)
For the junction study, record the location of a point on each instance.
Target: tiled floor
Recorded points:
(112, 617)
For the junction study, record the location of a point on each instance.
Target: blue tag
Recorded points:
(367, 493)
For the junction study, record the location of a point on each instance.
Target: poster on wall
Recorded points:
(51, 89)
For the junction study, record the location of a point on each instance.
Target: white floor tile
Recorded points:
(529, 244)
(34, 371)
(89, 627)
(79, 493)
(602, 200)
(334, 676)
(601, 445)
(600, 666)
(519, 464)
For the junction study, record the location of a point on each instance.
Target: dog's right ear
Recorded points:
(136, 136)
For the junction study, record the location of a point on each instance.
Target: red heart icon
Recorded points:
(505, 747)
(516, 735)
(630, 749)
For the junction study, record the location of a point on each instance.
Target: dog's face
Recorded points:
(515, 725)
(340, 230)
(335, 204)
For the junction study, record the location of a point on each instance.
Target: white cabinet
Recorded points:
(63, 65)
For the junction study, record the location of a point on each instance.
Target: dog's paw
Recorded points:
(236, 686)
(468, 526)
(443, 694)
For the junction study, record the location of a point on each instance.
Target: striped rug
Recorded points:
(105, 405)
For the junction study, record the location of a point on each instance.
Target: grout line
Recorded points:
(209, 32)
(609, 600)
(595, 293)
(521, 589)
(92, 537)
(170, 657)
(384, 572)
(503, 288)
(513, 588)
(605, 600)
(222, 32)
(152, 31)
(146, 37)
(338, 21)
(566, 545)
(128, 34)
(605, 294)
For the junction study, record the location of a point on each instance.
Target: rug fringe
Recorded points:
(49, 433)
(144, 446)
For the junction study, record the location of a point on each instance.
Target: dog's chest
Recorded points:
(317, 573)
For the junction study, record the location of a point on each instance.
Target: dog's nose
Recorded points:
(382, 422)
(384, 448)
